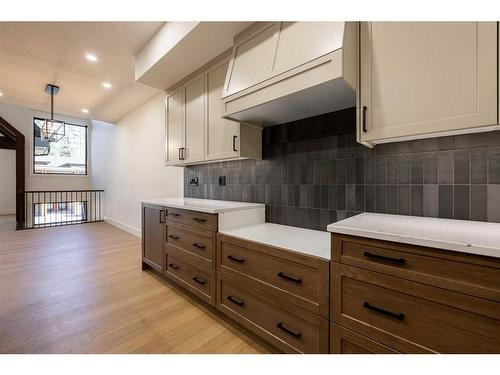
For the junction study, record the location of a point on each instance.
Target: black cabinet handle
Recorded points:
(398, 316)
(233, 258)
(199, 280)
(199, 219)
(290, 278)
(174, 266)
(199, 246)
(236, 301)
(290, 332)
(383, 258)
(174, 214)
(162, 216)
(234, 142)
(364, 118)
(174, 237)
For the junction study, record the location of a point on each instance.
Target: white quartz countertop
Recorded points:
(458, 235)
(305, 241)
(210, 206)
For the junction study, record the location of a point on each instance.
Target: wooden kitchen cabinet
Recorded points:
(194, 113)
(221, 135)
(425, 79)
(196, 132)
(174, 130)
(153, 236)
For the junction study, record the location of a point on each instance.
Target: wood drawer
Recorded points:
(200, 242)
(345, 341)
(412, 317)
(199, 281)
(194, 218)
(300, 279)
(286, 326)
(466, 273)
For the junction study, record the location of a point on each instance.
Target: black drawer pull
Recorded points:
(290, 278)
(233, 258)
(199, 245)
(174, 214)
(234, 300)
(174, 266)
(290, 332)
(199, 219)
(199, 280)
(173, 236)
(383, 258)
(364, 118)
(397, 316)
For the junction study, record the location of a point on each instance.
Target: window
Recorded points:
(66, 156)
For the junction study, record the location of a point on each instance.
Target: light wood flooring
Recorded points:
(80, 289)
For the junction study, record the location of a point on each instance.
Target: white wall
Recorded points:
(7, 182)
(22, 119)
(128, 162)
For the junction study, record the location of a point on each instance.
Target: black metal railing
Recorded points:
(51, 208)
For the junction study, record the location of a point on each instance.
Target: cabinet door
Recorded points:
(153, 236)
(194, 119)
(222, 136)
(420, 78)
(174, 127)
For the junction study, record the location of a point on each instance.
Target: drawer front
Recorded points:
(200, 242)
(412, 317)
(287, 327)
(345, 341)
(196, 219)
(198, 281)
(465, 273)
(302, 282)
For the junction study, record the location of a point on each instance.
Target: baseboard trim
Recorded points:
(127, 228)
(8, 212)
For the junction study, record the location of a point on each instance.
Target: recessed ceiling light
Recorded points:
(85, 110)
(1, 93)
(91, 57)
(107, 85)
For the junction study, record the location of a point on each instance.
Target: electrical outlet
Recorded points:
(222, 180)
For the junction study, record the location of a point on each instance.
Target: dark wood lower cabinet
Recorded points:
(412, 299)
(153, 236)
(284, 325)
(345, 341)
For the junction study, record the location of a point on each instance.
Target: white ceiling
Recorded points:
(33, 54)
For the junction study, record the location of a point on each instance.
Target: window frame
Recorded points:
(59, 174)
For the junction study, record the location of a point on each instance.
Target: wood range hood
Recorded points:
(286, 71)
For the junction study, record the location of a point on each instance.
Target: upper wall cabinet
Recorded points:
(285, 71)
(195, 130)
(423, 79)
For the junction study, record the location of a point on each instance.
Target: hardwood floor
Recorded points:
(80, 289)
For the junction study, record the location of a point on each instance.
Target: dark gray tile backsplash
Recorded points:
(314, 172)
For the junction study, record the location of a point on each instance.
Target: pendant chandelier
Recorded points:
(52, 130)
